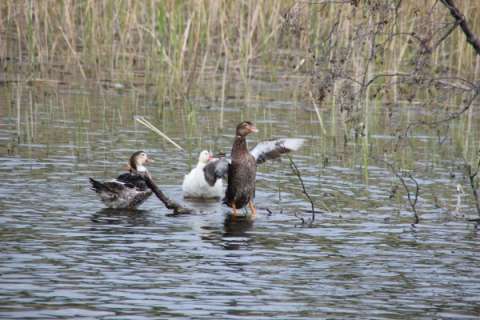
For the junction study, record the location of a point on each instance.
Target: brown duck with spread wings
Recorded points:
(241, 169)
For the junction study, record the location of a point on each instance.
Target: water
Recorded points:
(64, 256)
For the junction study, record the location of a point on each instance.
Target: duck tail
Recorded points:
(97, 186)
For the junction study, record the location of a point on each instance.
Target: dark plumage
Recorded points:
(133, 180)
(242, 168)
(129, 190)
(216, 169)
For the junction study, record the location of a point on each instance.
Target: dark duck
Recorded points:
(241, 169)
(129, 190)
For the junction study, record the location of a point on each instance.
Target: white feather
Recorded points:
(195, 186)
(141, 168)
(293, 143)
(264, 147)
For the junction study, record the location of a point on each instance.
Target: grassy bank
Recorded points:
(172, 44)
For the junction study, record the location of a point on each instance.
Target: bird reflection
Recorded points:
(237, 226)
(232, 235)
(108, 216)
(235, 232)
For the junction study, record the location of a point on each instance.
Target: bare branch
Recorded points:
(296, 171)
(460, 18)
(169, 204)
(471, 177)
(445, 36)
(411, 202)
(451, 116)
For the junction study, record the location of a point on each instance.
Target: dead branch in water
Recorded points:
(169, 204)
(472, 179)
(296, 171)
(411, 202)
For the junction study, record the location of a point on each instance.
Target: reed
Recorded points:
(125, 40)
(175, 49)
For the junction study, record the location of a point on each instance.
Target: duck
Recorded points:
(195, 186)
(128, 190)
(241, 168)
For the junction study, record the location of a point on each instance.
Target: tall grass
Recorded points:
(176, 47)
(162, 42)
(120, 40)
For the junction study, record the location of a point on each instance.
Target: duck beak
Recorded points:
(149, 160)
(253, 129)
(210, 156)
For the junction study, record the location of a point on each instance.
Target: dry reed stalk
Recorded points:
(317, 111)
(224, 85)
(150, 126)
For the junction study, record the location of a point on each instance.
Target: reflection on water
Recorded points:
(234, 235)
(133, 218)
(237, 226)
(64, 256)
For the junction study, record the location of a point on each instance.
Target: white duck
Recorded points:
(194, 184)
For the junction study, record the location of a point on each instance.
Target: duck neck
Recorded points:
(239, 146)
(141, 169)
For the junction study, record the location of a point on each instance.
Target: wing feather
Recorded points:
(268, 150)
(215, 170)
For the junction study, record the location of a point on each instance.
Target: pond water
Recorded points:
(63, 256)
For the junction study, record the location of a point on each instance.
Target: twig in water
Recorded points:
(471, 177)
(296, 171)
(412, 202)
(269, 211)
(301, 218)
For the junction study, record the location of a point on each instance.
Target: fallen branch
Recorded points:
(169, 204)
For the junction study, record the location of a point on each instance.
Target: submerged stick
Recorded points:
(304, 190)
(150, 126)
(411, 202)
(472, 177)
(169, 204)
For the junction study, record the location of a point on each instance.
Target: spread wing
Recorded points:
(267, 150)
(215, 170)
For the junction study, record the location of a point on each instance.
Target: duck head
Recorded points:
(245, 128)
(204, 157)
(138, 160)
